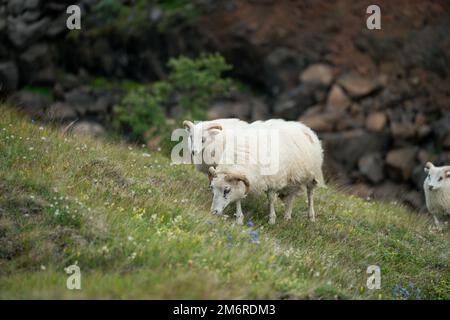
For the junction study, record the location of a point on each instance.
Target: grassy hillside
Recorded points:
(140, 228)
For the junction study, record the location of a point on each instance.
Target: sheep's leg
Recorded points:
(437, 223)
(239, 214)
(288, 204)
(272, 196)
(310, 193)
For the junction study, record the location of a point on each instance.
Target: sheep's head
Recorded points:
(226, 188)
(437, 177)
(200, 135)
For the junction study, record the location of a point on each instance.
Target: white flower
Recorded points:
(130, 238)
(43, 267)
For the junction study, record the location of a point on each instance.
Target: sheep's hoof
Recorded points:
(240, 220)
(272, 221)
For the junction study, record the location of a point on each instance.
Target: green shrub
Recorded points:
(190, 85)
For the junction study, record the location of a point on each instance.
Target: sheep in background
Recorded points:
(209, 134)
(300, 164)
(437, 192)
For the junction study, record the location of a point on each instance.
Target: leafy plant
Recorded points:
(190, 86)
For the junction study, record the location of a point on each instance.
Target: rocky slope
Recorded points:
(379, 99)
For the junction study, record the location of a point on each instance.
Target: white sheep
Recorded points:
(437, 192)
(300, 158)
(210, 135)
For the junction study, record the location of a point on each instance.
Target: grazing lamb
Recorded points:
(437, 192)
(209, 134)
(300, 157)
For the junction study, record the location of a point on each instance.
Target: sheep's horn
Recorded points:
(239, 177)
(211, 173)
(188, 124)
(214, 126)
(447, 171)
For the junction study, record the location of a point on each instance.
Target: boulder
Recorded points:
(405, 130)
(320, 122)
(88, 128)
(291, 104)
(22, 34)
(282, 68)
(376, 121)
(349, 146)
(401, 163)
(441, 129)
(236, 107)
(260, 110)
(9, 77)
(33, 103)
(371, 166)
(81, 99)
(357, 86)
(318, 73)
(337, 100)
(60, 111)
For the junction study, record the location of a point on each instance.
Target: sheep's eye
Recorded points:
(440, 179)
(226, 191)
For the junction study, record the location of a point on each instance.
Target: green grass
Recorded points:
(140, 228)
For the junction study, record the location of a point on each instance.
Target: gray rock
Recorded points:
(231, 108)
(60, 111)
(371, 166)
(80, 99)
(9, 77)
(33, 103)
(260, 110)
(318, 73)
(337, 100)
(22, 34)
(349, 146)
(16, 6)
(356, 85)
(401, 163)
(88, 128)
(441, 129)
(291, 104)
(282, 67)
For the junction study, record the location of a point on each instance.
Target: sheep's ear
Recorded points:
(211, 173)
(428, 166)
(188, 125)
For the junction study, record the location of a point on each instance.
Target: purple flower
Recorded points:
(250, 224)
(253, 234)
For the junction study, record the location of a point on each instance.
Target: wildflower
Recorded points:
(43, 267)
(210, 222)
(250, 224)
(130, 238)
